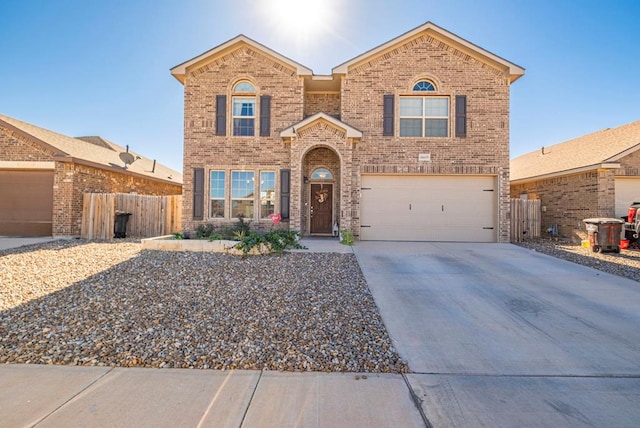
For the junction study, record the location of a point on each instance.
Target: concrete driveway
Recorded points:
(498, 335)
(8, 242)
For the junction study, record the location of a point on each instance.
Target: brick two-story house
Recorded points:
(408, 141)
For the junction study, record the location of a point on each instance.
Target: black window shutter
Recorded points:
(221, 115)
(461, 115)
(198, 193)
(285, 192)
(265, 115)
(387, 118)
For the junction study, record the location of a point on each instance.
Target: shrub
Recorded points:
(346, 237)
(205, 230)
(275, 240)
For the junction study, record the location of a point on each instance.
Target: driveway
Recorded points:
(498, 335)
(7, 242)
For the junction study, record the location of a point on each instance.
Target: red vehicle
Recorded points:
(632, 222)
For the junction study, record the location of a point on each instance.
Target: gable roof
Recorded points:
(601, 149)
(180, 70)
(96, 152)
(512, 70)
(292, 131)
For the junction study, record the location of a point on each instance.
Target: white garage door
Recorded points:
(428, 208)
(627, 191)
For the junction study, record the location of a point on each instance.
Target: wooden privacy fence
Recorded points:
(150, 215)
(525, 219)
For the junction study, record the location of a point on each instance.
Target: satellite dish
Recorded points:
(127, 158)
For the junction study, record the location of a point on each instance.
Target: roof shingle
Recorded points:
(95, 150)
(593, 149)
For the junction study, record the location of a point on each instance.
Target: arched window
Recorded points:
(424, 85)
(244, 109)
(244, 87)
(321, 174)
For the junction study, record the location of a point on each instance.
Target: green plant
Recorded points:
(242, 227)
(240, 235)
(346, 237)
(178, 235)
(205, 230)
(275, 240)
(282, 239)
(249, 241)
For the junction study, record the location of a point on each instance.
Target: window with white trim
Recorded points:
(267, 193)
(244, 109)
(216, 194)
(242, 194)
(426, 116)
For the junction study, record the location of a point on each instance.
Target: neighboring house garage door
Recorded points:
(26, 203)
(627, 191)
(433, 208)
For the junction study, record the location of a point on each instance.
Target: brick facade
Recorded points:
(485, 149)
(72, 180)
(17, 148)
(357, 101)
(568, 199)
(629, 165)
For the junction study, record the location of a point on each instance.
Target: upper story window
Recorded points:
(244, 87)
(244, 109)
(426, 116)
(424, 85)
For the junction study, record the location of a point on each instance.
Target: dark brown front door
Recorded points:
(321, 208)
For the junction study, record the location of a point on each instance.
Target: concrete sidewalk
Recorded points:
(7, 242)
(57, 396)
(70, 396)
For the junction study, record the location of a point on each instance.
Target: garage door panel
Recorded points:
(627, 191)
(26, 203)
(428, 208)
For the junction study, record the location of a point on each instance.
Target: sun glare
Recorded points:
(300, 19)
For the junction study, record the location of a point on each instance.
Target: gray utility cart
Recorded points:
(604, 234)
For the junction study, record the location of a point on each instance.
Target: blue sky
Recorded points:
(102, 68)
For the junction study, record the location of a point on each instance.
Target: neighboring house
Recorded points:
(597, 175)
(43, 176)
(408, 141)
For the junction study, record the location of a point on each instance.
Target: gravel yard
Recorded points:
(112, 304)
(625, 264)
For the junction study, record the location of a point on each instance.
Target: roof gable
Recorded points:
(349, 131)
(180, 71)
(70, 149)
(510, 69)
(599, 149)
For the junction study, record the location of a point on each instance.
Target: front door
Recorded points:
(321, 211)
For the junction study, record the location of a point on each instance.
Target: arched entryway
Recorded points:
(321, 192)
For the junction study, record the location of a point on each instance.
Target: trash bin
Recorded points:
(120, 224)
(604, 234)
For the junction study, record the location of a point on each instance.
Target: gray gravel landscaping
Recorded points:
(625, 264)
(112, 304)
